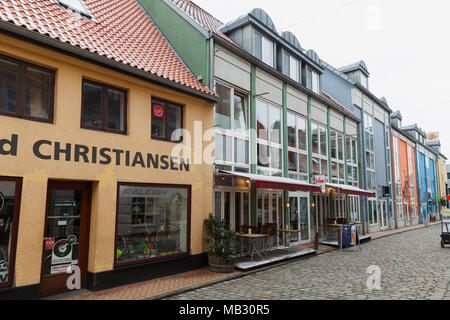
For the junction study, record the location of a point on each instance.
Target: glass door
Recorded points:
(66, 236)
(299, 217)
(383, 214)
(232, 206)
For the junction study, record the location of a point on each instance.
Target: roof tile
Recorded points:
(119, 30)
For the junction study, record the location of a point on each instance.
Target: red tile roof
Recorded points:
(119, 30)
(202, 17)
(336, 104)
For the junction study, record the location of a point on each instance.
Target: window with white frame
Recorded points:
(294, 69)
(297, 147)
(231, 129)
(269, 144)
(389, 155)
(398, 183)
(370, 152)
(319, 149)
(412, 195)
(373, 212)
(352, 162)
(264, 49)
(337, 157)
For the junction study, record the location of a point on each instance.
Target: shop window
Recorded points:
(26, 90)
(103, 108)
(153, 222)
(166, 120)
(10, 190)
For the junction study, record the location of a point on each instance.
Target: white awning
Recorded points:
(351, 190)
(269, 182)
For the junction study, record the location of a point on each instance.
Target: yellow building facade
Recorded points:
(37, 154)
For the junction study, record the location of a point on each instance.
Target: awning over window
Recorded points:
(268, 182)
(351, 190)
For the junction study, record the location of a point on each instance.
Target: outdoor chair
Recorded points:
(270, 229)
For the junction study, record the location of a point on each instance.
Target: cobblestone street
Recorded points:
(413, 266)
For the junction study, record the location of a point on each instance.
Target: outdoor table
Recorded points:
(254, 240)
(285, 233)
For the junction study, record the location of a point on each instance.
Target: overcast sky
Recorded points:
(405, 44)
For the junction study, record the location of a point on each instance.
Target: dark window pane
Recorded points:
(292, 161)
(303, 163)
(292, 139)
(315, 138)
(37, 90)
(301, 127)
(8, 85)
(92, 105)
(174, 122)
(159, 119)
(116, 110)
(7, 204)
(223, 107)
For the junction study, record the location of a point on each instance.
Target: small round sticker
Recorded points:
(158, 111)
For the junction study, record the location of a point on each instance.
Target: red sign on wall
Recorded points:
(158, 111)
(49, 243)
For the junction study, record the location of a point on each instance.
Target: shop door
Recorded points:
(233, 207)
(66, 236)
(383, 214)
(270, 210)
(299, 218)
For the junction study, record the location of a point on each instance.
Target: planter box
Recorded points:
(220, 265)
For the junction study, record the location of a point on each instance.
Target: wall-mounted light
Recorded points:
(288, 205)
(313, 205)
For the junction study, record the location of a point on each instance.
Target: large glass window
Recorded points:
(152, 222)
(10, 189)
(297, 154)
(337, 157)
(232, 129)
(223, 107)
(269, 148)
(319, 149)
(103, 107)
(352, 162)
(26, 90)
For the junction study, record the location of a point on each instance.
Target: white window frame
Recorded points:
(232, 133)
(270, 144)
(319, 156)
(299, 175)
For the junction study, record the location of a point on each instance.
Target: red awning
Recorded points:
(344, 189)
(269, 182)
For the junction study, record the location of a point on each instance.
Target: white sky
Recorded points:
(405, 44)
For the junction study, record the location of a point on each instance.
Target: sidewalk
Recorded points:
(162, 287)
(381, 234)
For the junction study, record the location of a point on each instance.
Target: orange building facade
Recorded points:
(405, 179)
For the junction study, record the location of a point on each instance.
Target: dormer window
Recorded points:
(77, 6)
(293, 68)
(313, 80)
(264, 49)
(364, 81)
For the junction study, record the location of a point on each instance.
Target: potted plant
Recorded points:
(221, 255)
